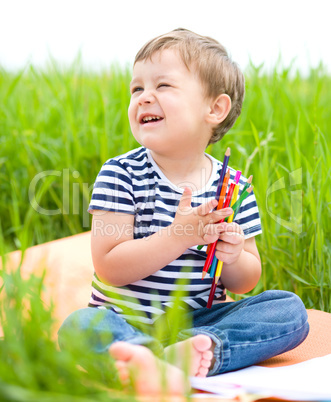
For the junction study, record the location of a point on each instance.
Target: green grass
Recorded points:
(57, 127)
(58, 122)
(284, 141)
(32, 368)
(67, 122)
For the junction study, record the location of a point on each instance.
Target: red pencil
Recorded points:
(211, 294)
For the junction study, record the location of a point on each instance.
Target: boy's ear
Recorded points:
(220, 108)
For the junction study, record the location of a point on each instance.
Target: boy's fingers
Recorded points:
(205, 209)
(211, 229)
(231, 238)
(231, 228)
(221, 214)
(231, 233)
(210, 238)
(210, 233)
(185, 201)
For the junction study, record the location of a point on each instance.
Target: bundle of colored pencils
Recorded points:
(226, 197)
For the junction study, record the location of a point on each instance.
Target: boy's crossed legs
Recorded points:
(104, 330)
(239, 334)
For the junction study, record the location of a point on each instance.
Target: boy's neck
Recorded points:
(191, 171)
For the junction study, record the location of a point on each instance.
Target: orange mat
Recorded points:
(317, 343)
(69, 271)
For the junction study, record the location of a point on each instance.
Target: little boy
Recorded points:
(151, 208)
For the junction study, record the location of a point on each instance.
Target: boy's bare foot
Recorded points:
(195, 353)
(149, 375)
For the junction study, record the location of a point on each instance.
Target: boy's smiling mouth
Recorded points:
(149, 118)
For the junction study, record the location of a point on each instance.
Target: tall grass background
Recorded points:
(59, 125)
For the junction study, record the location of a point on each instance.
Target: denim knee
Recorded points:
(291, 312)
(97, 329)
(289, 303)
(87, 325)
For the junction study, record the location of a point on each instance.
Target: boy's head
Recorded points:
(217, 72)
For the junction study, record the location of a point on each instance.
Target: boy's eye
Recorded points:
(163, 85)
(136, 89)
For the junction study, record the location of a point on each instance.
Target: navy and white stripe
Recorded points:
(132, 183)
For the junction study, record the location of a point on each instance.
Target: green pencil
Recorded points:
(237, 204)
(248, 183)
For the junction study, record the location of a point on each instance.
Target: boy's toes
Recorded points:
(203, 371)
(202, 343)
(121, 351)
(123, 372)
(208, 355)
(205, 363)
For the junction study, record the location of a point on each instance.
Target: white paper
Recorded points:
(309, 380)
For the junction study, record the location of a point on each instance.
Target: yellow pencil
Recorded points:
(218, 270)
(234, 199)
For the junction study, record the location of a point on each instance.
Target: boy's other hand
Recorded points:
(232, 242)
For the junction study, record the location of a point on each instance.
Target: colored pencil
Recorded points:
(223, 171)
(218, 270)
(221, 198)
(248, 183)
(234, 199)
(234, 204)
(222, 195)
(237, 204)
(224, 188)
(213, 267)
(211, 294)
(230, 219)
(211, 253)
(220, 263)
(216, 264)
(237, 176)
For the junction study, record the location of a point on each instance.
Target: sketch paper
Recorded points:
(309, 380)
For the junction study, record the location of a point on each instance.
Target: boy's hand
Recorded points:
(198, 225)
(232, 243)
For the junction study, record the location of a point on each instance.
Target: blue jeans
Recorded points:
(245, 332)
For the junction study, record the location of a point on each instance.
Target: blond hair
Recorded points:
(217, 72)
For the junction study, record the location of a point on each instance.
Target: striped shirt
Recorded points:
(133, 183)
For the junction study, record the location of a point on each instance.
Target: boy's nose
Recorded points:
(146, 97)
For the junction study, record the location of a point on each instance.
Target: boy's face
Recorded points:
(168, 108)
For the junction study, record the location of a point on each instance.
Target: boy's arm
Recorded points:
(119, 259)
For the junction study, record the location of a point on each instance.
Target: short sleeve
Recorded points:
(248, 217)
(112, 190)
